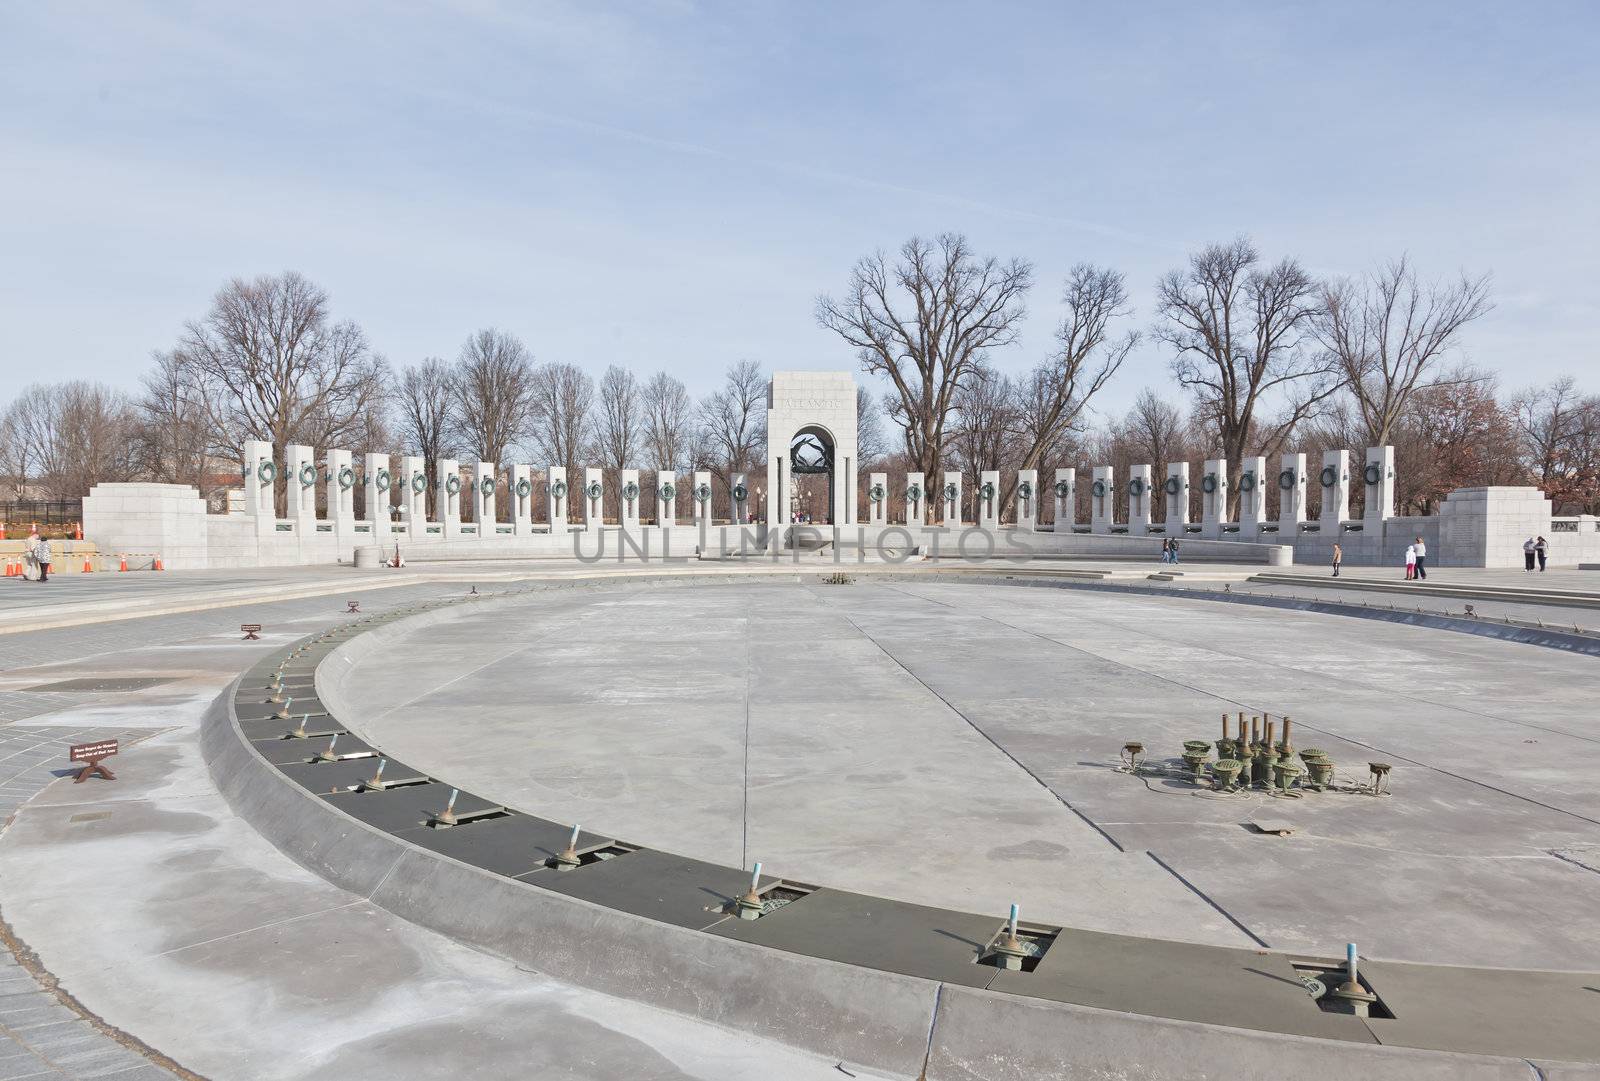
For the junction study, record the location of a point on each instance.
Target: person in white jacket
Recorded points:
(1422, 558)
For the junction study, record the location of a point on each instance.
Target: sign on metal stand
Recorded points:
(252, 632)
(91, 755)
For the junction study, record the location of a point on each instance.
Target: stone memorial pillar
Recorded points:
(1177, 492)
(1291, 495)
(739, 498)
(341, 495)
(260, 473)
(257, 453)
(629, 496)
(594, 498)
(1377, 478)
(1066, 493)
(1214, 497)
(1027, 500)
(951, 495)
(519, 490)
(702, 499)
(447, 498)
(1334, 480)
(300, 483)
(558, 498)
(1252, 497)
(989, 499)
(483, 499)
(878, 499)
(412, 484)
(666, 498)
(916, 501)
(1102, 499)
(1139, 500)
(379, 481)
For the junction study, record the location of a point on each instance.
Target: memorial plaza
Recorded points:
(891, 795)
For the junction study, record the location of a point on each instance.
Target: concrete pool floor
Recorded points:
(955, 744)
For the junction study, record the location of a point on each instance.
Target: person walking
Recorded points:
(1529, 547)
(1422, 558)
(41, 552)
(1174, 549)
(1411, 561)
(1338, 558)
(1541, 548)
(1166, 549)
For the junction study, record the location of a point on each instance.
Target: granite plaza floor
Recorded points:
(956, 744)
(928, 739)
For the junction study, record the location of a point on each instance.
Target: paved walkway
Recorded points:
(41, 1035)
(112, 902)
(166, 917)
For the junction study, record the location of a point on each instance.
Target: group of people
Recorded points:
(1169, 549)
(1416, 559)
(1534, 549)
(36, 559)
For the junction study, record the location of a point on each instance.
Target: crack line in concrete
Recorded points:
(1040, 781)
(1204, 896)
(263, 927)
(744, 839)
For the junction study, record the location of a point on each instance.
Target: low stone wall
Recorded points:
(1476, 527)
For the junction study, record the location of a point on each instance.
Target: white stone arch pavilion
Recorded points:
(813, 414)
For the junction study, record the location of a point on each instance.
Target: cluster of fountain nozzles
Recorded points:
(1255, 758)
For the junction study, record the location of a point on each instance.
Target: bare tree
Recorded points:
(423, 398)
(923, 323)
(1453, 434)
(275, 366)
(1560, 434)
(1243, 338)
(871, 447)
(563, 398)
(984, 428)
(18, 458)
(733, 421)
(619, 428)
(668, 421)
(1060, 389)
(494, 394)
(668, 416)
(172, 437)
(74, 435)
(1388, 332)
(1155, 432)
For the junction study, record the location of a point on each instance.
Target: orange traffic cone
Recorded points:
(122, 561)
(158, 566)
(77, 530)
(88, 568)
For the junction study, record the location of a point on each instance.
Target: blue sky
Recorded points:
(670, 185)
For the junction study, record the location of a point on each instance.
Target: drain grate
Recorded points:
(93, 684)
(1035, 942)
(599, 855)
(1321, 982)
(780, 895)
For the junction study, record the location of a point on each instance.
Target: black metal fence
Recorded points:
(53, 517)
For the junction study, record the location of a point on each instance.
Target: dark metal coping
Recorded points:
(1521, 1014)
